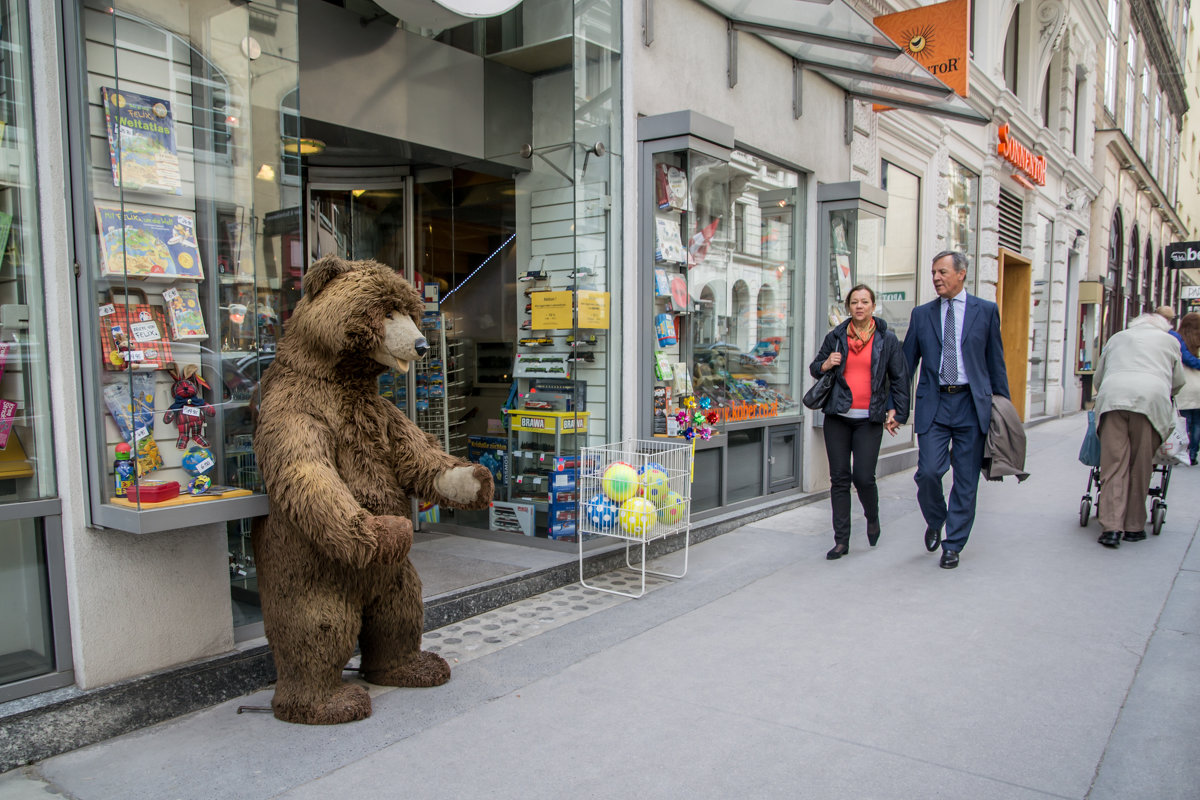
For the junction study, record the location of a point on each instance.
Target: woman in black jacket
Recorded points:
(870, 393)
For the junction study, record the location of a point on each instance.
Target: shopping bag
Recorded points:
(1174, 449)
(1089, 451)
(133, 335)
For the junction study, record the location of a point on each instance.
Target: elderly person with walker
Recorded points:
(869, 395)
(1138, 372)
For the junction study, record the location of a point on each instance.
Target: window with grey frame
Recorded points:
(35, 652)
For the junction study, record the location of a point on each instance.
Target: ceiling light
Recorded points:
(303, 147)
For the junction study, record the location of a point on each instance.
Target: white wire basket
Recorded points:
(638, 490)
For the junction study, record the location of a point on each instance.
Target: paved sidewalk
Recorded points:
(1044, 666)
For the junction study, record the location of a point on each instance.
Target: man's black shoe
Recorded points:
(1110, 539)
(1134, 536)
(949, 559)
(933, 537)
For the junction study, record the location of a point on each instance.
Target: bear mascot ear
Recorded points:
(321, 273)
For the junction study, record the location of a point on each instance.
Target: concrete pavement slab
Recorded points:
(770, 672)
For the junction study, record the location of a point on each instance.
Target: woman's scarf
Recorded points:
(856, 339)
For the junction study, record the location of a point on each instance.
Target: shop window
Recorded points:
(191, 263)
(724, 287)
(1111, 56)
(1133, 300)
(34, 639)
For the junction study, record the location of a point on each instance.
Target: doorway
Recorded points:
(451, 233)
(1013, 296)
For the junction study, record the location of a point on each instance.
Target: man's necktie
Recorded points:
(949, 347)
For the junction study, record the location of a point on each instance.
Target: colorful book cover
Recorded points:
(141, 142)
(5, 347)
(8, 412)
(183, 313)
(140, 243)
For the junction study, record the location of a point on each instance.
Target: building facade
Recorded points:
(609, 207)
(1141, 103)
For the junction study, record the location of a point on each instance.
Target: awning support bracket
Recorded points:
(647, 22)
(848, 122)
(886, 50)
(731, 35)
(797, 89)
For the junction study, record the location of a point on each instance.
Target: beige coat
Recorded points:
(1189, 395)
(1140, 370)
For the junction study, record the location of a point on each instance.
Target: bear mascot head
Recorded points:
(341, 465)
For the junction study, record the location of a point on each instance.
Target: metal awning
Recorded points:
(833, 40)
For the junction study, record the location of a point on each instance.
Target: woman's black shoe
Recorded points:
(837, 552)
(872, 533)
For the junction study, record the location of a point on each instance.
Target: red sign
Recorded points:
(1019, 156)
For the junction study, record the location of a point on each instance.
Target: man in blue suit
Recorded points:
(956, 341)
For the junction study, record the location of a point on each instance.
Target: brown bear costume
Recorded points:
(340, 464)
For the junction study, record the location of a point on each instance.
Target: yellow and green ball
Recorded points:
(637, 516)
(655, 485)
(620, 481)
(673, 510)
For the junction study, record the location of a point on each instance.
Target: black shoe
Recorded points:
(933, 537)
(872, 533)
(837, 552)
(1134, 536)
(1110, 539)
(949, 559)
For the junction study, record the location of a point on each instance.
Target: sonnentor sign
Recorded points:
(1183, 255)
(1019, 156)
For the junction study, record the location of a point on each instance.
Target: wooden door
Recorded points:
(1012, 296)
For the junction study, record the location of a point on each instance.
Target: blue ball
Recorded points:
(601, 512)
(652, 465)
(198, 461)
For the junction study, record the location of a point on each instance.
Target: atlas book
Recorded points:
(141, 142)
(148, 243)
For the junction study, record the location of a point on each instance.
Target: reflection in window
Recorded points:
(896, 288)
(962, 210)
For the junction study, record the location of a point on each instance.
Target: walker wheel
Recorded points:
(1157, 517)
(1085, 511)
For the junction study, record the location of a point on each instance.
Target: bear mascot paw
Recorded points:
(340, 464)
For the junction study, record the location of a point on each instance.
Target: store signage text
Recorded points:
(884, 296)
(1019, 156)
(1183, 255)
(743, 411)
(1189, 293)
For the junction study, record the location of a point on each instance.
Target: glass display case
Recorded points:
(852, 224)
(190, 262)
(724, 321)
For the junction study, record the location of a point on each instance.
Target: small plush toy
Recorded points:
(189, 409)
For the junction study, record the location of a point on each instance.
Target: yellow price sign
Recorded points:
(551, 310)
(593, 309)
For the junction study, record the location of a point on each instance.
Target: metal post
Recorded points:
(732, 38)
(797, 90)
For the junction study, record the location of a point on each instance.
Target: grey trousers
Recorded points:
(1127, 445)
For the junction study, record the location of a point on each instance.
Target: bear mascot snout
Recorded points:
(340, 464)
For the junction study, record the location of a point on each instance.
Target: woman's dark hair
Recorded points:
(1189, 329)
(860, 287)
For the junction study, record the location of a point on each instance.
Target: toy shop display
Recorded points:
(133, 336)
(639, 491)
(183, 312)
(189, 411)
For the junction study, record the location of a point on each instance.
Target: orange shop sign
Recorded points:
(1019, 156)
